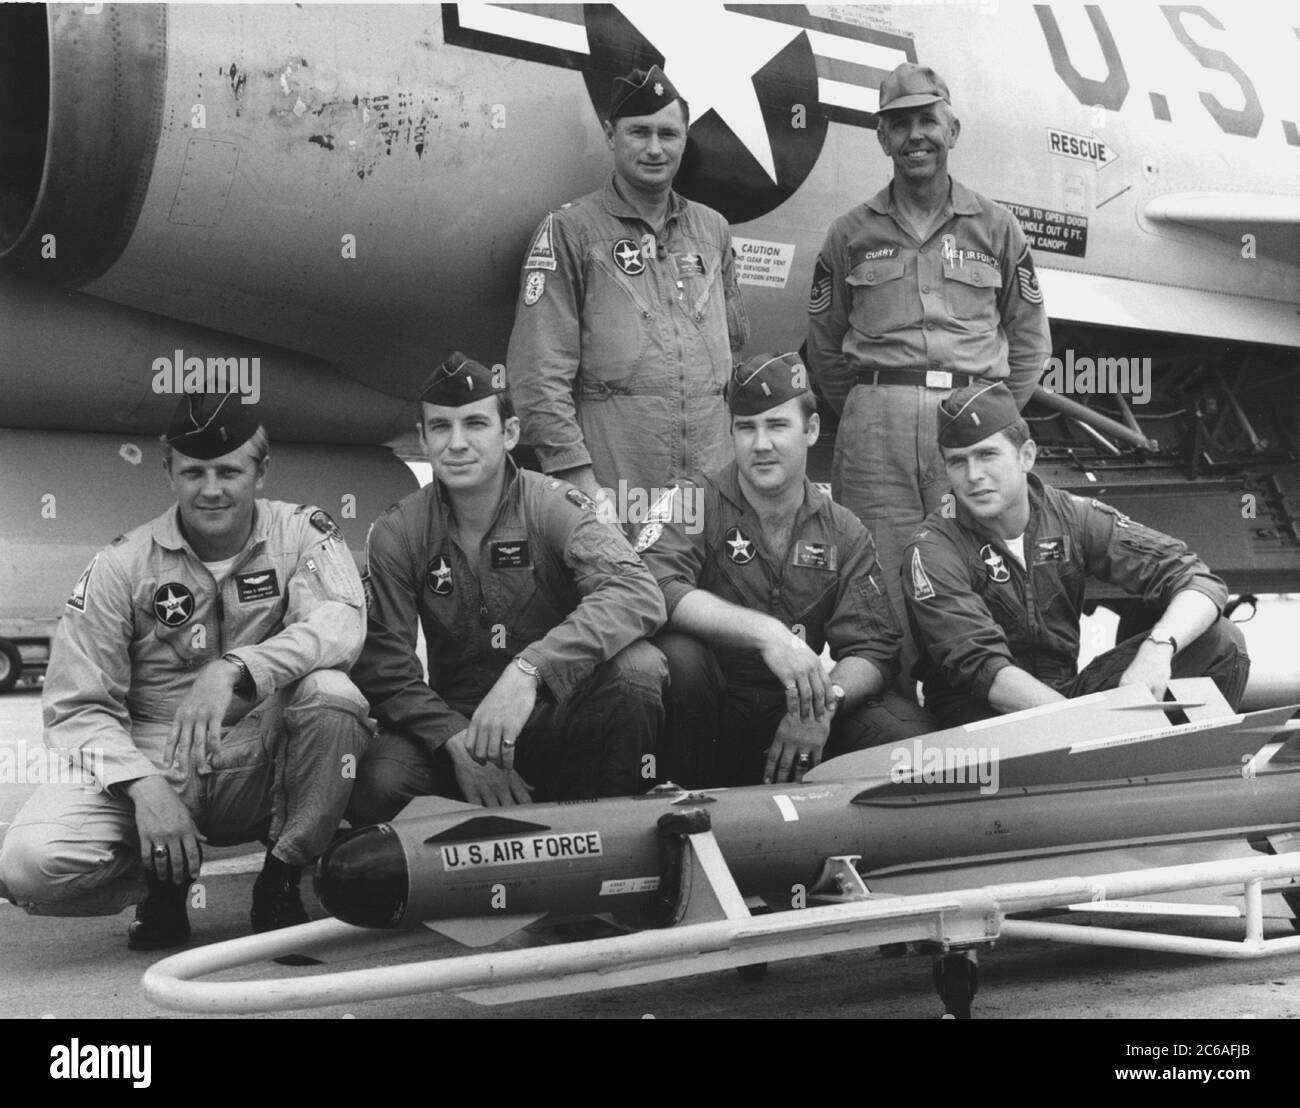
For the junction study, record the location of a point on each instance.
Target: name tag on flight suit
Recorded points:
(816, 555)
(511, 554)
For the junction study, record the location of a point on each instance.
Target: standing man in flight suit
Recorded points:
(776, 572)
(994, 594)
(920, 290)
(198, 680)
(534, 613)
(629, 314)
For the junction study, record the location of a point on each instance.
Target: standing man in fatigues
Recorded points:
(921, 289)
(994, 594)
(629, 314)
(198, 675)
(776, 572)
(534, 614)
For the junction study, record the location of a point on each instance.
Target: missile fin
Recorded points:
(421, 806)
(481, 930)
(486, 827)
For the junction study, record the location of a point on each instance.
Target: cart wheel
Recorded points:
(956, 976)
(11, 665)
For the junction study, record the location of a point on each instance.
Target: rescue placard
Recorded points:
(763, 263)
(1086, 148)
(1051, 232)
(530, 848)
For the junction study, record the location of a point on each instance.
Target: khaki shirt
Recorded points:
(966, 300)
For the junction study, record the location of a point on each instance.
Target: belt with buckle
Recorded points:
(929, 378)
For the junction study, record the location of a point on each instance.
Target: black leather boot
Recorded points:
(276, 900)
(161, 919)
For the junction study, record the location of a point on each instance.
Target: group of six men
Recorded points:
(219, 670)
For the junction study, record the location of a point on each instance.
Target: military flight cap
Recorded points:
(912, 86)
(972, 414)
(764, 381)
(641, 92)
(461, 380)
(207, 425)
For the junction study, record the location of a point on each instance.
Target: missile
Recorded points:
(1102, 772)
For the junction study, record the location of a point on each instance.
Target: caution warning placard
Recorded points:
(763, 263)
(1051, 232)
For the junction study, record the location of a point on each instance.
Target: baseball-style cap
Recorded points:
(972, 414)
(207, 425)
(764, 381)
(912, 86)
(641, 92)
(461, 380)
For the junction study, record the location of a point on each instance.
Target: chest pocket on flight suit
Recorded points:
(881, 300)
(618, 324)
(971, 291)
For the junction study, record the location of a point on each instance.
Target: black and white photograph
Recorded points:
(651, 511)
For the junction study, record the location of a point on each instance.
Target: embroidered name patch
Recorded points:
(261, 585)
(1049, 550)
(510, 554)
(816, 555)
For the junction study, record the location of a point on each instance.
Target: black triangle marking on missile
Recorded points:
(485, 827)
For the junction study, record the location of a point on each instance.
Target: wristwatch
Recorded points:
(244, 686)
(525, 666)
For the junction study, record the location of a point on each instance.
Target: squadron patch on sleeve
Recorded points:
(323, 523)
(921, 587)
(77, 601)
(1121, 520)
(649, 536)
(541, 255)
(819, 299)
(1027, 279)
(581, 499)
(534, 286)
(661, 511)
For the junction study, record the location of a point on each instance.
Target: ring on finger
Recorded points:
(159, 852)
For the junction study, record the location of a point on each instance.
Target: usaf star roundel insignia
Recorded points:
(998, 572)
(440, 577)
(628, 258)
(739, 549)
(173, 604)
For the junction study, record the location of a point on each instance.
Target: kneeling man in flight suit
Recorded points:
(775, 571)
(994, 593)
(535, 613)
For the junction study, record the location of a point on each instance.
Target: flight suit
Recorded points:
(143, 619)
(928, 316)
(622, 346)
(724, 704)
(975, 610)
(552, 584)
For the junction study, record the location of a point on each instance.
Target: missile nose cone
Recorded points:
(363, 879)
